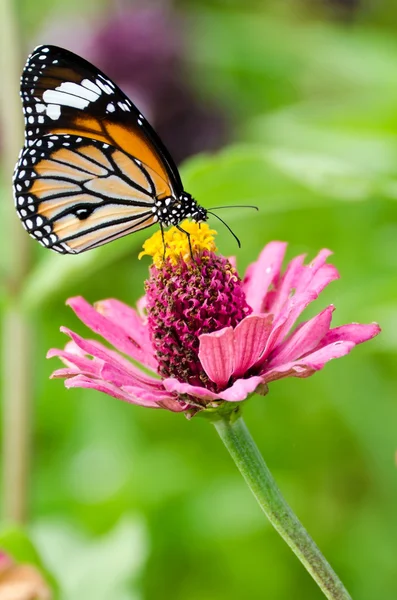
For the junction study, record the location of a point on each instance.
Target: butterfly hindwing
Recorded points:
(64, 94)
(74, 193)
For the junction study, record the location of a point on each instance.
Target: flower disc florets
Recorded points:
(188, 296)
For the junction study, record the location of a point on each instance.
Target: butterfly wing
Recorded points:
(64, 94)
(92, 168)
(73, 194)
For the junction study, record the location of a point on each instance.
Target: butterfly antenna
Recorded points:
(235, 206)
(227, 227)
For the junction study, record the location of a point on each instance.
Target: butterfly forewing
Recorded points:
(63, 93)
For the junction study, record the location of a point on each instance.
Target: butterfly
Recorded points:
(92, 168)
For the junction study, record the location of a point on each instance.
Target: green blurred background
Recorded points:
(291, 106)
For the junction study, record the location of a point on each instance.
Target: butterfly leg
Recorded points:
(162, 236)
(188, 239)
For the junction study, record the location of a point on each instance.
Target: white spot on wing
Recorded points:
(63, 99)
(104, 86)
(81, 91)
(91, 86)
(53, 111)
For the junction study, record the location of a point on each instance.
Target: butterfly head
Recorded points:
(200, 214)
(171, 211)
(192, 210)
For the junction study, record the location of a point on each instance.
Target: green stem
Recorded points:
(16, 331)
(237, 439)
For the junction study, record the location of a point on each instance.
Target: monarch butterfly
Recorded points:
(92, 168)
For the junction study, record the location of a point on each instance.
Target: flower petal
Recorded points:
(161, 399)
(98, 351)
(239, 391)
(77, 363)
(262, 273)
(276, 298)
(81, 381)
(304, 339)
(111, 331)
(354, 332)
(250, 337)
(312, 280)
(309, 364)
(216, 354)
(126, 317)
(310, 271)
(173, 385)
(233, 261)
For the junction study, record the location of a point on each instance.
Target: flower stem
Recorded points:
(16, 331)
(242, 448)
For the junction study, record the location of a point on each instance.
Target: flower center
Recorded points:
(173, 244)
(188, 296)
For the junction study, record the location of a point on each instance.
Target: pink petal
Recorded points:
(285, 319)
(262, 273)
(67, 372)
(173, 385)
(304, 339)
(81, 381)
(161, 399)
(311, 270)
(120, 360)
(250, 337)
(239, 391)
(97, 350)
(126, 317)
(141, 309)
(120, 377)
(216, 354)
(312, 281)
(276, 299)
(233, 261)
(112, 332)
(76, 362)
(309, 364)
(354, 332)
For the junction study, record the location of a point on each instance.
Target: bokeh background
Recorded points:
(291, 106)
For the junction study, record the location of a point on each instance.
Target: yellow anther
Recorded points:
(177, 243)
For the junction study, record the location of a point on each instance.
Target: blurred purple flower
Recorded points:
(211, 336)
(142, 49)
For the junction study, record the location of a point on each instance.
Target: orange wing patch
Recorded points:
(96, 155)
(114, 187)
(52, 168)
(43, 188)
(127, 139)
(102, 217)
(131, 170)
(51, 208)
(91, 239)
(135, 145)
(70, 157)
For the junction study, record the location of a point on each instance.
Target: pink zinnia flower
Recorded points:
(204, 336)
